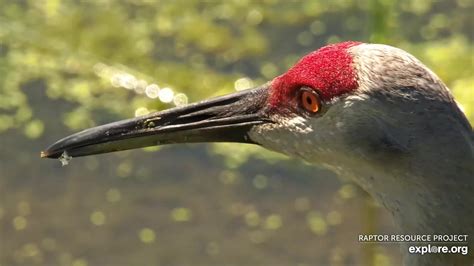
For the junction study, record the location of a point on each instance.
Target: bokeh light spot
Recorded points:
(317, 27)
(305, 38)
(316, 223)
(260, 182)
(243, 84)
(98, 218)
(141, 111)
(140, 86)
(381, 259)
(252, 218)
(19, 223)
(212, 248)
(124, 169)
(31, 250)
(91, 163)
(273, 222)
(347, 191)
(166, 95)
(164, 25)
(152, 91)
(34, 129)
(181, 214)
(269, 70)
(228, 177)
(180, 99)
(147, 235)
(254, 17)
(113, 195)
(79, 262)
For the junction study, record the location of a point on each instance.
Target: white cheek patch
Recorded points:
(287, 136)
(315, 139)
(299, 124)
(350, 100)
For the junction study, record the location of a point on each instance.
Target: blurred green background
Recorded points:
(69, 65)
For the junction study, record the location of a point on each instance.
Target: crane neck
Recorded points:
(434, 199)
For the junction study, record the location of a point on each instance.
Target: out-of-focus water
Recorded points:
(67, 66)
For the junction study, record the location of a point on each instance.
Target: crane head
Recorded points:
(334, 100)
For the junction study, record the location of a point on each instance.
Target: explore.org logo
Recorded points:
(423, 244)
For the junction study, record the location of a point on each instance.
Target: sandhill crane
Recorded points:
(371, 112)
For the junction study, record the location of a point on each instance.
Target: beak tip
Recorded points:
(48, 154)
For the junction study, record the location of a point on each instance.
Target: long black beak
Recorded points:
(223, 119)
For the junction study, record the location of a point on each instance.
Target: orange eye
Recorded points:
(310, 101)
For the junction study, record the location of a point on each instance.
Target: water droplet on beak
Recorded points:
(65, 158)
